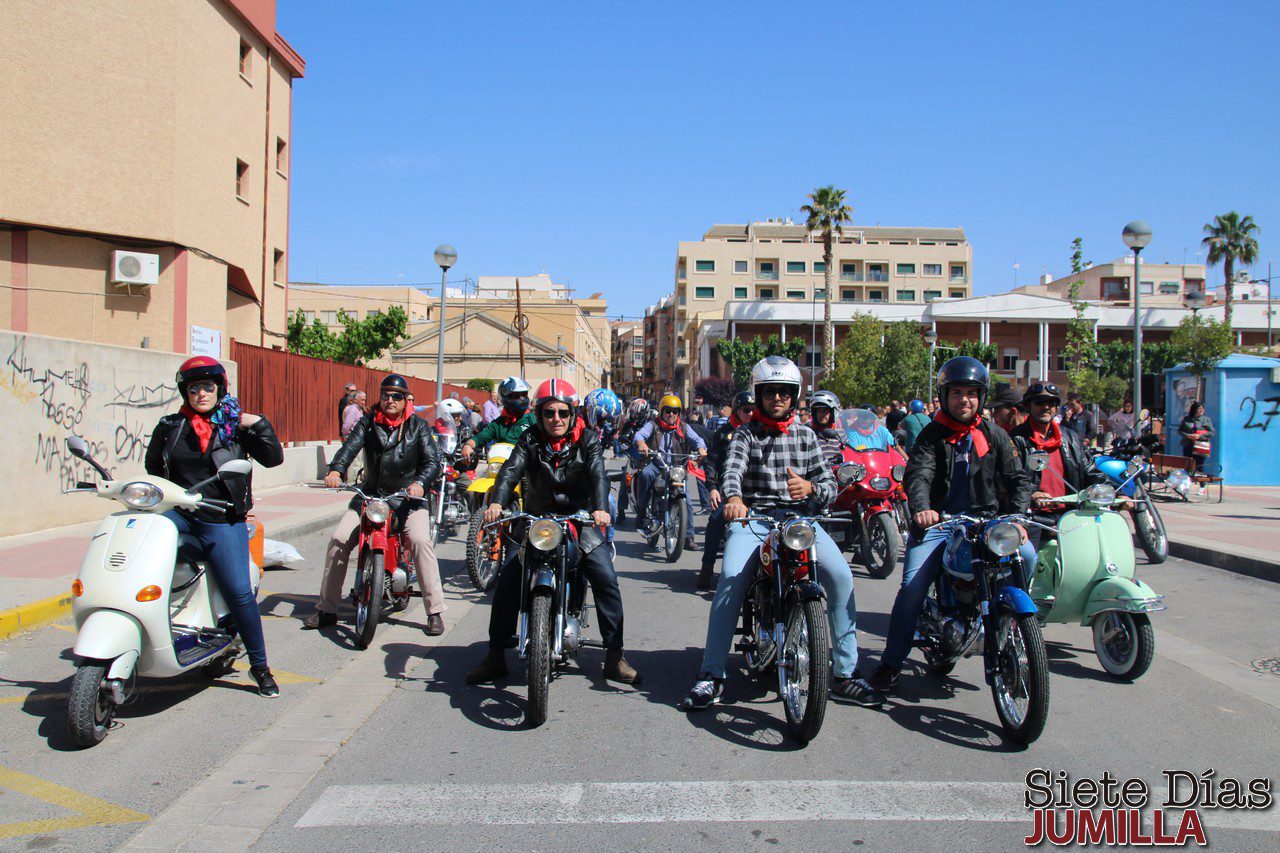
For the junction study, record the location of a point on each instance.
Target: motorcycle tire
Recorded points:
(481, 565)
(369, 588)
(1014, 631)
(1149, 528)
(89, 708)
(805, 680)
(539, 660)
(673, 531)
(1124, 643)
(884, 545)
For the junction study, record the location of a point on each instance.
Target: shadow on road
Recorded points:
(494, 706)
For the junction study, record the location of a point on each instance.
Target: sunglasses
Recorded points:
(393, 396)
(670, 411)
(202, 388)
(1044, 401)
(556, 414)
(783, 392)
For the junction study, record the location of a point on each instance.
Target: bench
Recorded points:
(1162, 464)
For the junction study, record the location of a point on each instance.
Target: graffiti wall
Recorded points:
(51, 389)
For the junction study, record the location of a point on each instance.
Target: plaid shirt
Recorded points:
(756, 467)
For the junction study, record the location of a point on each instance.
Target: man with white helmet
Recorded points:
(514, 418)
(775, 464)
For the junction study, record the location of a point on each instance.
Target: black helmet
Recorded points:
(1041, 389)
(964, 371)
(395, 382)
(743, 398)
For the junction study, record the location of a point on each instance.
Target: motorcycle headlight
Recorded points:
(545, 535)
(798, 535)
(1003, 538)
(850, 472)
(141, 495)
(898, 472)
(880, 484)
(676, 475)
(1101, 495)
(376, 511)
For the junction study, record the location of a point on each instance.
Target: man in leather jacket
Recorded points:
(400, 452)
(559, 465)
(1068, 459)
(744, 406)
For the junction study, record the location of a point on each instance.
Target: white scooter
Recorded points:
(143, 602)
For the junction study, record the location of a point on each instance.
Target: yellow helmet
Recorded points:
(671, 401)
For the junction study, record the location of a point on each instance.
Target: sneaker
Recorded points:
(493, 667)
(885, 678)
(856, 691)
(266, 683)
(705, 693)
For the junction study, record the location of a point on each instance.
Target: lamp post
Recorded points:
(1194, 299)
(446, 256)
(1137, 235)
(931, 338)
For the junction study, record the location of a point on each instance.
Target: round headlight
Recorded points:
(376, 511)
(797, 535)
(545, 535)
(1003, 538)
(898, 472)
(880, 484)
(859, 472)
(676, 474)
(1101, 494)
(141, 495)
(844, 473)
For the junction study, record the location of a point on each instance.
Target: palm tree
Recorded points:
(828, 213)
(1230, 238)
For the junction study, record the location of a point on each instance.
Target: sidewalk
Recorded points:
(1241, 534)
(36, 569)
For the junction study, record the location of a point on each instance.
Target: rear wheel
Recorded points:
(89, 707)
(1149, 527)
(369, 596)
(483, 551)
(1124, 643)
(674, 529)
(883, 545)
(803, 670)
(539, 659)
(1021, 684)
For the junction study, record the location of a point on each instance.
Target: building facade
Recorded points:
(627, 373)
(1162, 285)
(159, 130)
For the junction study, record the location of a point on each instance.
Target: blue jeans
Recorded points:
(226, 550)
(833, 574)
(647, 477)
(613, 514)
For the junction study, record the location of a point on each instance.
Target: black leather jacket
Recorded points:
(1077, 465)
(257, 442)
(393, 459)
(998, 483)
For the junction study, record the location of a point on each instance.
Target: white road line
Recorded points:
(703, 802)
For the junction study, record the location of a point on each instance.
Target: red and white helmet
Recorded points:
(556, 389)
(201, 367)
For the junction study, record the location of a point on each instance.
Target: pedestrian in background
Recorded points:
(1196, 432)
(1123, 423)
(492, 407)
(1080, 420)
(893, 420)
(348, 395)
(354, 411)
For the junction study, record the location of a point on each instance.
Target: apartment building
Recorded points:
(778, 260)
(1162, 285)
(660, 375)
(144, 175)
(627, 372)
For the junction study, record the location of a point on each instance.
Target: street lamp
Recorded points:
(1136, 235)
(931, 338)
(1194, 299)
(446, 256)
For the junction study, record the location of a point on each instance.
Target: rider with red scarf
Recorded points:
(1068, 460)
(671, 438)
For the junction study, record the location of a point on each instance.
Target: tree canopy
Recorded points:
(742, 355)
(359, 342)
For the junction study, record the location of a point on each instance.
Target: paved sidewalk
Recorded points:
(36, 569)
(1241, 534)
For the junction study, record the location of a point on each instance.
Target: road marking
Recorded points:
(90, 811)
(702, 802)
(1220, 668)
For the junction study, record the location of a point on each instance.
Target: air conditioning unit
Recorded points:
(135, 268)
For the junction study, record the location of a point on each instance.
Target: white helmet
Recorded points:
(776, 370)
(825, 398)
(453, 407)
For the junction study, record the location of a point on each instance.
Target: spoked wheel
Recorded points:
(654, 529)
(484, 551)
(89, 707)
(1149, 527)
(1124, 643)
(674, 530)
(1021, 684)
(369, 596)
(539, 659)
(883, 546)
(803, 670)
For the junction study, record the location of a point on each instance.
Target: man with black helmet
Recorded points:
(744, 406)
(960, 464)
(1069, 462)
(400, 452)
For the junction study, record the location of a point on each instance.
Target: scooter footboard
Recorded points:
(108, 634)
(1128, 594)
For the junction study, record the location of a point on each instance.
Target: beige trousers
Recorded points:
(417, 530)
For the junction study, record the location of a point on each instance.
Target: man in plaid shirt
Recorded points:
(776, 464)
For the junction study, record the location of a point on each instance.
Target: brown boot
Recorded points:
(319, 619)
(493, 667)
(616, 668)
(435, 625)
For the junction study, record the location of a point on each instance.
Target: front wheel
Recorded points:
(1021, 683)
(884, 544)
(1124, 643)
(804, 671)
(369, 596)
(89, 707)
(539, 659)
(673, 530)
(483, 551)
(1149, 526)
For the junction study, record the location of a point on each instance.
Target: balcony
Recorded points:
(958, 279)
(877, 276)
(766, 276)
(851, 276)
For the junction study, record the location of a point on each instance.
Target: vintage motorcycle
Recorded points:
(448, 509)
(486, 546)
(669, 514)
(872, 491)
(1127, 467)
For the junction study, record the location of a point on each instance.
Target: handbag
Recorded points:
(1201, 446)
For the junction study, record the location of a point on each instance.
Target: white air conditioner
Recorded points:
(135, 268)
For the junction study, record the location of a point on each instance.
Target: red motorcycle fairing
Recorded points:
(380, 539)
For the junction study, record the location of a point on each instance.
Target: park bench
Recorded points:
(1162, 464)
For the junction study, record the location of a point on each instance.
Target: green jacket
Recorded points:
(496, 431)
(912, 425)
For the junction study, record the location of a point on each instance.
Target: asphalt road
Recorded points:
(428, 762)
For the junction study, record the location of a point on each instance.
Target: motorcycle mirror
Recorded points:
(78, 447)
(234, 468)
(1038, 461)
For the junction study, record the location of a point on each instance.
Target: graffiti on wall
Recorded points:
(1260, 412)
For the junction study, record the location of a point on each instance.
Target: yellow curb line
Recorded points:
(91, 811)
(24, 617)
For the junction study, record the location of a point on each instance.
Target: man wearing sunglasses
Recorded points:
(400, 452)
(672, 438)
(1069, 462)
(559, 465)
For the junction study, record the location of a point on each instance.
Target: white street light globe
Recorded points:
(930, 336)
(446, 256)
(1137, 234)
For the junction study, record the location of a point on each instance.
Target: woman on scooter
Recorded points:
(187, 448)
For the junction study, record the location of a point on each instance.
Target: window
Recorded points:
(819, 293)
(739, 293)
(875, 296)
(282, 156)
(899, 242)
(277, 267)
(795, 294)
(681, 268)
(932, 269)
(767, 269)
(329, 318)
(957, 271)
(956, 294)
(905, 296)
(820, 266)
(739, 266)
(906, 269)
(242, 178)
(848, 270)
(1146, 286)
(930, 295)
(704, 266)
(1061, 359)
(928, 243)
(848, 294)
(877, 272)
(795, 266)
(704, 293)
(246, 60)
(812, 356)
(1168, 287)
(1009, 360)
(766, 293)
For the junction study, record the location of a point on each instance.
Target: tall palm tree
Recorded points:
(828, 213)
(1230, 238)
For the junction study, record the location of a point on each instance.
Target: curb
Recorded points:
(1239, 564)
(27, 617)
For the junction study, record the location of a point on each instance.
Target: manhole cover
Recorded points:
(1269, 665)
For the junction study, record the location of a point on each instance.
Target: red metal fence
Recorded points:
(300, 394)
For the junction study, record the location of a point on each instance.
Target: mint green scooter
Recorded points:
(1085, 575)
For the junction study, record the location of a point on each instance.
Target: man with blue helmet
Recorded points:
(913, 423)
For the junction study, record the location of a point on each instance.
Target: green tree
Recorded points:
(903, 367)
(856, 378)
(827, 214)
(1231, 238)
(985, 353)
(1081, 347)
(361, 341)
(741, 355)
(1201, 343)
(480, 384)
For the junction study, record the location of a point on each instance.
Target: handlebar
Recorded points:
(581, 516)
(838, 516)
(351, 487)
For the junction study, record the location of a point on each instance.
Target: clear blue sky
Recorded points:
(587, 139)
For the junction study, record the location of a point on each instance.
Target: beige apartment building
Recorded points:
(626, 376)
(144, 175)
(1162, 285)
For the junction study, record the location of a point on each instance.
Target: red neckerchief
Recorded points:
(959, 431)
(570, 437)
(380, 417)
(200, 425)
(666, 427)
(735, 421)
(507, 419)
(1050, 442)
(771, 425)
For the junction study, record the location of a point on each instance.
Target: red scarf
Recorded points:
(666, 427)
(959, 431)
(770, 424)
(507, 419)
(559, 444)
(200, 425)
(380, 417)
(735, 421)
(1050, 442)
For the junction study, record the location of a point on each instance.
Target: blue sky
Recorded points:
(587, 139)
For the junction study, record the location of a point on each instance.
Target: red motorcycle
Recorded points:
(384, 572)
(870, 482)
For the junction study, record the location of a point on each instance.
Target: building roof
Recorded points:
(869, 232)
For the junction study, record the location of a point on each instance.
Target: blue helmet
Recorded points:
(603, 404)
(916, 407)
